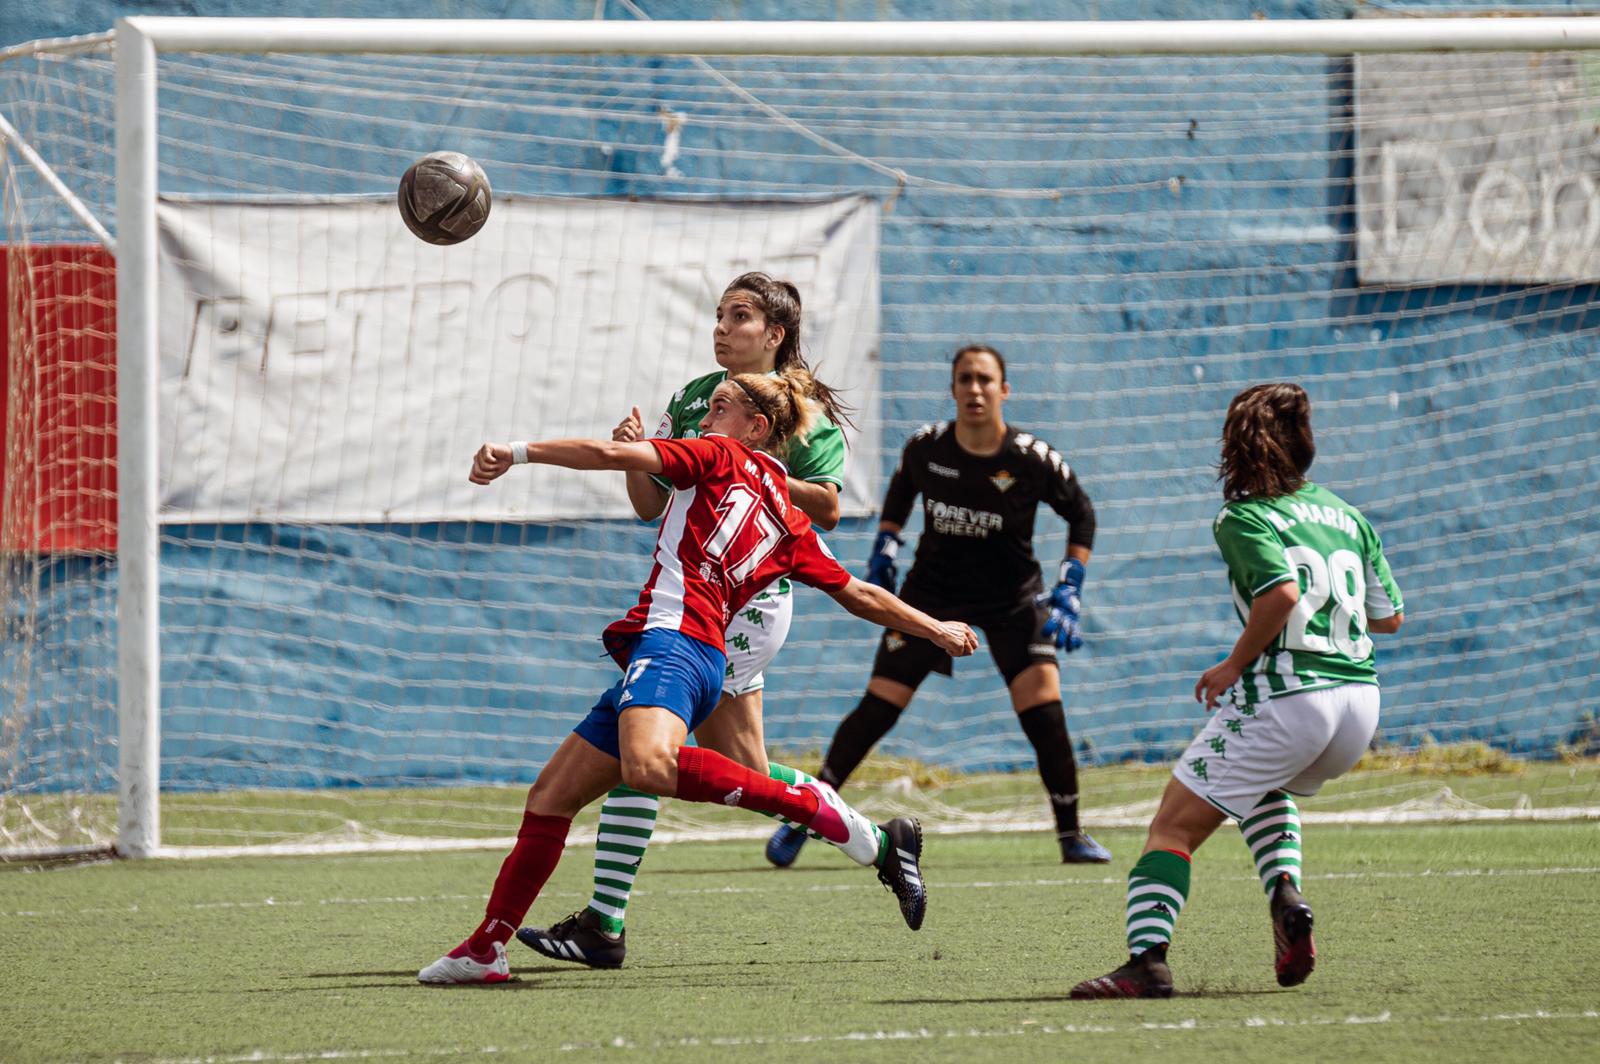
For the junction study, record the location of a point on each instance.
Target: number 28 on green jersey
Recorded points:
(1324, 544)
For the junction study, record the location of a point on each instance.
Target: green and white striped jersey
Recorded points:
(1317, 539)
(819, 460)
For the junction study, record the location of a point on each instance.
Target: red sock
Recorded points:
(707, 776)
(522, 875)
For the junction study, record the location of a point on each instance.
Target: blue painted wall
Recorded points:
(353, 656)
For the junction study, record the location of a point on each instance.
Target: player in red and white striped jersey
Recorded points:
(730, 529)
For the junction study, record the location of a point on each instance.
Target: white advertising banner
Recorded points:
(319, 363)
(1478, 168)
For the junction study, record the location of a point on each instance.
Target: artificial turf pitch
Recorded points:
(1435, 942)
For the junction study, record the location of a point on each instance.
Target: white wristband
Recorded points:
(519, 453)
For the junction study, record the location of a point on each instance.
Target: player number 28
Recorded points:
(1342, 576)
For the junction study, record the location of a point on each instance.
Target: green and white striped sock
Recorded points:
(794, 777)
(1158, 885)
(627, 820)
(1272, 831)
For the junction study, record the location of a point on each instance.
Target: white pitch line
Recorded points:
(921, 1034)
(815, 888)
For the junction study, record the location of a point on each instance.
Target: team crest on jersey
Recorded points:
(1002, 480)
(709, 574)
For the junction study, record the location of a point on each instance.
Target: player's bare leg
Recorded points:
(593, 936)
(576, 775)
(1158, 886)
(735, 730)
(596, 935)
(656, 761)
(896, 848)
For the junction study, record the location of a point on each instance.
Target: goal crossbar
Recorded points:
(1070, 38)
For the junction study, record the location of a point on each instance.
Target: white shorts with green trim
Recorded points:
(1294, 743)
(755, 635)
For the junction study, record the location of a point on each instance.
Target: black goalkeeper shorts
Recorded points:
(1014, 636)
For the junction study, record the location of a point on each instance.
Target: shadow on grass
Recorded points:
(551, 981)
(1050, 999)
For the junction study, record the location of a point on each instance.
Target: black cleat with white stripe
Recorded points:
(578, 939)
(901, 871)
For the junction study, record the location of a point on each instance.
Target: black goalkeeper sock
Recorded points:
(857, 735)
(1046, 728)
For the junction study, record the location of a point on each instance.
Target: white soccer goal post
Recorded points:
(315, 636)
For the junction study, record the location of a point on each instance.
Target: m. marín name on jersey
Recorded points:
(1313, 513)
(960, 521)
(771, 485)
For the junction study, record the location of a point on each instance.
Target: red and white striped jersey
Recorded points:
(729, 531)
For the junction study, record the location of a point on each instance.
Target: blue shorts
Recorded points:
(665, 668)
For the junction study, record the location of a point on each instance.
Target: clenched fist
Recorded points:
(491, 461)
(955, 639)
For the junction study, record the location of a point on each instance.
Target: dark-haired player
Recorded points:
(1299, 691)
(981, 483)
(729, 531)
(757, 330)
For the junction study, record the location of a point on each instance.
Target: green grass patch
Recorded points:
(1436, 942)
(1442, 778)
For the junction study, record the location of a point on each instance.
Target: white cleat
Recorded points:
(454, 970)
(843, 826)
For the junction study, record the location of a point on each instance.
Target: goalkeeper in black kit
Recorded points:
(981, 483)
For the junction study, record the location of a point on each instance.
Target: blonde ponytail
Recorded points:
(788, 401)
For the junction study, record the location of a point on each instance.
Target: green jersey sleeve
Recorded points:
(684, 411)
(820, 459)
(1383, 594)
(1252, 549)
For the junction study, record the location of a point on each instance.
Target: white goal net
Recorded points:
(357, 647)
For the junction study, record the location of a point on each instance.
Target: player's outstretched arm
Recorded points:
(494, 459)
(874, 604)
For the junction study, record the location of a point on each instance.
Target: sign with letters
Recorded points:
(321, 364)
(1478, 168)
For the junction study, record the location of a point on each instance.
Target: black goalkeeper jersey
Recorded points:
(976, 550)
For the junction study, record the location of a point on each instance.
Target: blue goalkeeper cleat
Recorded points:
(1078, 848)
(784, 846)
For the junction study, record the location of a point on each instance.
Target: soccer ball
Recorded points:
(444, 197)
